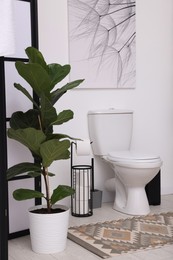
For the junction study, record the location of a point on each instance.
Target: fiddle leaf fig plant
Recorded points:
(34, 128)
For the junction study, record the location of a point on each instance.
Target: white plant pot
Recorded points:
(48, 232)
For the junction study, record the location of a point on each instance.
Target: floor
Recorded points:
(19, 249)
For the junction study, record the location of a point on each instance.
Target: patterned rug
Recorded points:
(112, 238)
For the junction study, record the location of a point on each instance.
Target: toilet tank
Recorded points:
(110, 130)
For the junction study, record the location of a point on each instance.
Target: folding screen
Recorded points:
(12, 216)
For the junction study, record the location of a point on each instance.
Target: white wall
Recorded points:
(152, 100)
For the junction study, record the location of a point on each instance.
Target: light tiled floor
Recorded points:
(19, 249)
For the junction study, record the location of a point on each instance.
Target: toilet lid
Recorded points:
(132, 156)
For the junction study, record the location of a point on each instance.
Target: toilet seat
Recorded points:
(134, 159)
(132, 156)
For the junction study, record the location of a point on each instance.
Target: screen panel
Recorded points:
(18, 211)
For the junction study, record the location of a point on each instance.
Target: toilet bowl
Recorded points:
(132, 172)
(110, 133)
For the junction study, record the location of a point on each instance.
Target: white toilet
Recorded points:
(110, 133)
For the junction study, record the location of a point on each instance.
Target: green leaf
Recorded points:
(61, 192)
(51, 174)
(25, 194)
(54, 150)
(61, 136)
(48, 112)
(25, 120)
(36, 56)
(29, 137)
(36, 76)
(25, 92)
(63, 117)
(57, 73)
(22, 168)
(34, 174)
(55, 95)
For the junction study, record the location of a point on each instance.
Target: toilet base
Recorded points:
(136, 204)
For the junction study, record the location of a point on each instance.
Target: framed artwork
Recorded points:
(102, 46)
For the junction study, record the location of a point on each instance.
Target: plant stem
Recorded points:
(39, 120)
(46, 180)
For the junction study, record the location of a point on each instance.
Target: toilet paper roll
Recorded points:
(82, 178)
(80, 206)
(83, 147)
(82, 193)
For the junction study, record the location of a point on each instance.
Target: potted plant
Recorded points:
(35, 130)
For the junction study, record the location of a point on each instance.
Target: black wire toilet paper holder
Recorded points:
(82, 181)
